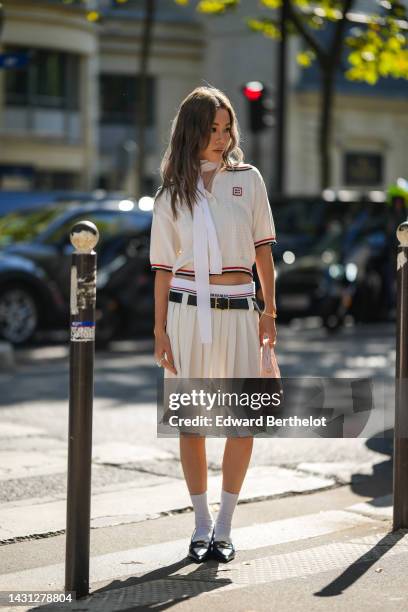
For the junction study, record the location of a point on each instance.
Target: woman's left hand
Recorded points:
(267, 327)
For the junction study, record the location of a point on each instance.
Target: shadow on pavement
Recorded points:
(159, 589)
(379, 483)
(360, 567)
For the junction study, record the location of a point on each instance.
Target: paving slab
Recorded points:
(342, 471)
(22, 463)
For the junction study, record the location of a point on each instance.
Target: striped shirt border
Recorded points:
(191, 272)
(269, 240)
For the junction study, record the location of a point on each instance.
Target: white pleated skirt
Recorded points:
(234, 351)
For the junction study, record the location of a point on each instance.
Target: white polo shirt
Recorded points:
(242, 217)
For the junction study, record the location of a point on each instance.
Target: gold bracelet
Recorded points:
(270, 314)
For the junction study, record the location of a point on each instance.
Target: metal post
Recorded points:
(84, 237)
(400, 518)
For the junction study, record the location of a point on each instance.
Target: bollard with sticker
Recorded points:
(84, 237)
(400, 485)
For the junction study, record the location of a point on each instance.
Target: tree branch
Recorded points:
(305, 33)
(336, 46)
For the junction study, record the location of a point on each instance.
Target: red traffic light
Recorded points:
(253, 90)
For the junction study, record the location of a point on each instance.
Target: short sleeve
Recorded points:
(263, 227)
(164, 244)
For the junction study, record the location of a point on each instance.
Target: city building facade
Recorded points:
(68, 107)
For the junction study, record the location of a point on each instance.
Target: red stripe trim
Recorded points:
(237, 268)
(250, 294)
(265, 240)
(187, 271)
(193, 292)
(162, 266)
(227, 268)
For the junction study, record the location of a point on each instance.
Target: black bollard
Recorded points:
(400, 514)
(84, 237)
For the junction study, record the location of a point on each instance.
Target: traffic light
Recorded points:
(259, 106)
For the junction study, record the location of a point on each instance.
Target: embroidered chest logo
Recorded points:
(237, 191)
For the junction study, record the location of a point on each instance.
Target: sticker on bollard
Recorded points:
(401, 260)
(82, 331)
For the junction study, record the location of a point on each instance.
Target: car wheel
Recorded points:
(19, 314)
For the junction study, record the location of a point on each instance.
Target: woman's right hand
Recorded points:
(163, 353)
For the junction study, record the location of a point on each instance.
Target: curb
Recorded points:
(124, 504)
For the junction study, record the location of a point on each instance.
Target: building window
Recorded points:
(119, 97)
(50, 80)
(363, 169)
(44, 180)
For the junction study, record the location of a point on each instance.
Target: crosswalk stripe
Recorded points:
(145, 559)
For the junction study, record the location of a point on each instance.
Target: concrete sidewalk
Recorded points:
(147, 498)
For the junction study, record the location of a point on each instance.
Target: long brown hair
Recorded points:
(190, 134)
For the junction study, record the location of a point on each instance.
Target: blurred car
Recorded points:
(343, 272)
(35, 264)
(11, 201)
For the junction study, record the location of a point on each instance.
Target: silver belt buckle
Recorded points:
(219, 306)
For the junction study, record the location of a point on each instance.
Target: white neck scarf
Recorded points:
(207, 166)
(207, 254)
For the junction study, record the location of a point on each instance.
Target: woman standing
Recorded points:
(211, 222)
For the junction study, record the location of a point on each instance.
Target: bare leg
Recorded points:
(194, 463)
(237, 455)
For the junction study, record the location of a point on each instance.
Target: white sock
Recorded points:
(224, 517)
(204, 521)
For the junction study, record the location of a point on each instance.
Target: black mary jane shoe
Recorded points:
(222, 550)
(199, 550)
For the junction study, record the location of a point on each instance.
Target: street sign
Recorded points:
(9, 61)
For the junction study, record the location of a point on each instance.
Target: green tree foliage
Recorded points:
(364, 47)
(376, 45)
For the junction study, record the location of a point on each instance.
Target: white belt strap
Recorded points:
(207, 259)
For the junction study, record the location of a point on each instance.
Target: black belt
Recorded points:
(222, 303)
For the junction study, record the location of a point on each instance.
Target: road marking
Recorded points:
(145, 559)
(190, 580)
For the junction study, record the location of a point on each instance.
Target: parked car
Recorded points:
(35, 262)
(11, 201)
(343, 272)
